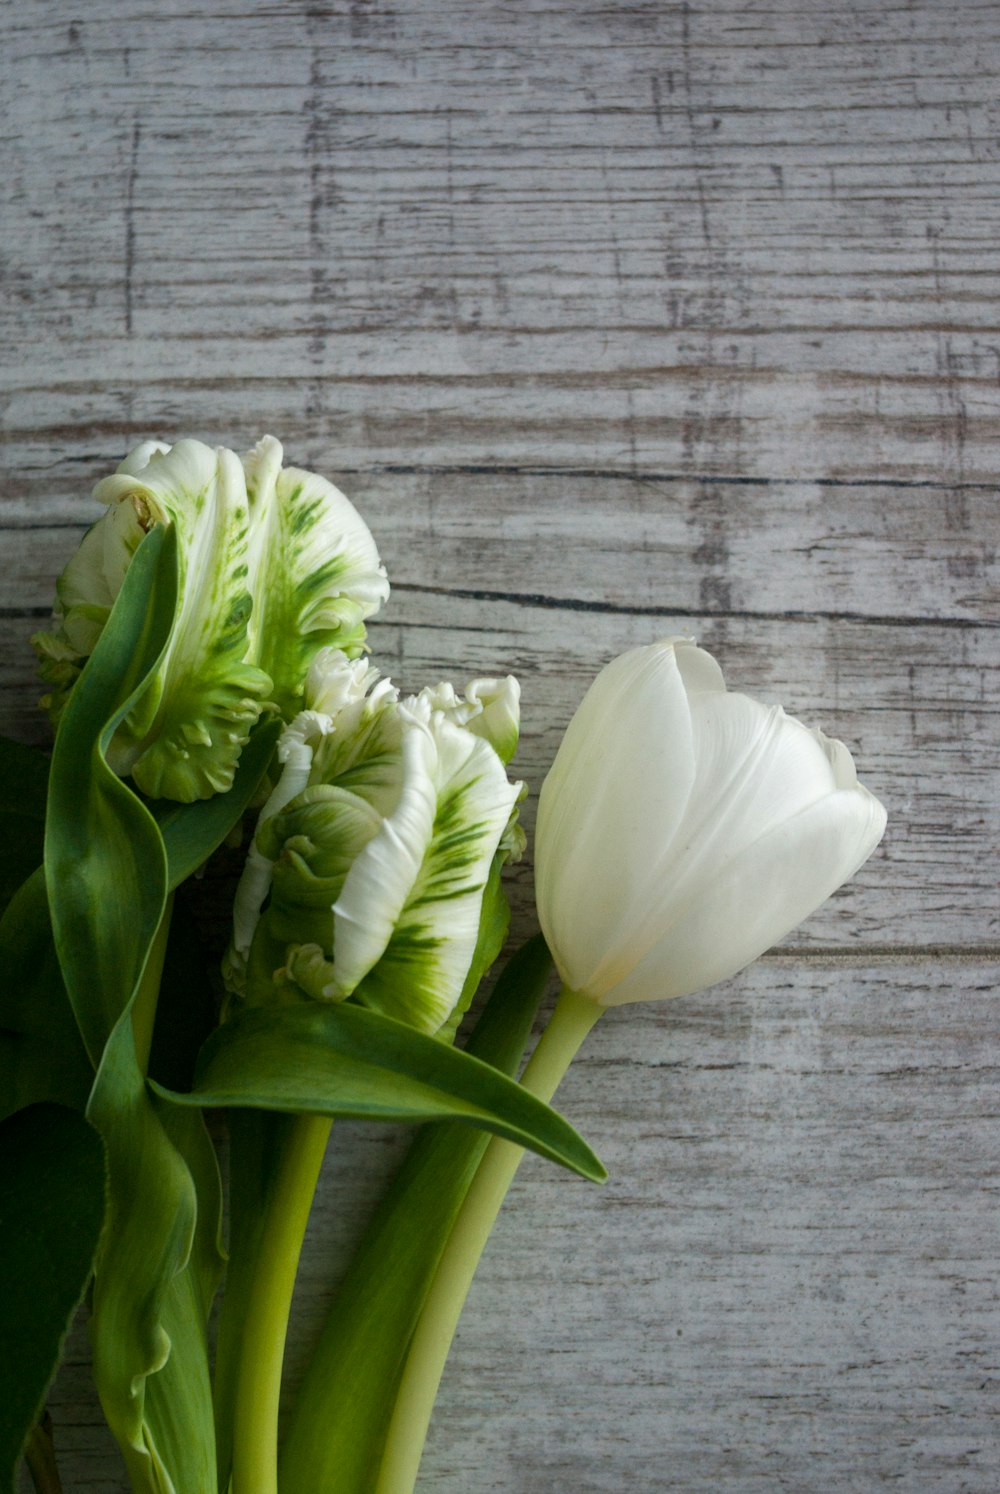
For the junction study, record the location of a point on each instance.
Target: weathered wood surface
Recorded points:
(615, 320)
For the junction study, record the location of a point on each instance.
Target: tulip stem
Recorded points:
(258, 1378)
(572, 1019)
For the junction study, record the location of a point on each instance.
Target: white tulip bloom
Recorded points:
(683, 829)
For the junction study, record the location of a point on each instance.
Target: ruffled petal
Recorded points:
(421, 973)
(185, 736)
(314, 570)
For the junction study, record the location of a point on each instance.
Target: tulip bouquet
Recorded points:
(207, 672)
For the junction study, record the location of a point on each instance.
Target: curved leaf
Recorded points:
(107, 876)
(105, 865)
(51, 1208)
(42, 1056)
(345, 1060)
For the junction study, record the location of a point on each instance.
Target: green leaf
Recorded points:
(51, 1208)
(105, 864)
(341, 1415)
(24, 775)
(344, 1060)
(107, 876)
(42, 1056)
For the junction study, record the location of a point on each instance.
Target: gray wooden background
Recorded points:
(615, 319)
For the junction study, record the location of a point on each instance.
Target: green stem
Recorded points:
(258, 1379)
(572, 1019)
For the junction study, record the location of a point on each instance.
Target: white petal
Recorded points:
(758, 897)
(421, 975)
(699, 671)
(335, 682)
(610, 807)
(139, 457)
(841, 762)
(489, 708)
(383, 875)
(755, 767)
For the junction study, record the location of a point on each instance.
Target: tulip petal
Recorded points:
(314, 570)
(699, 670)
(756, 767)
(758, 897)
(421, 973)
(184, 738)
(382, 877)
(610, 807)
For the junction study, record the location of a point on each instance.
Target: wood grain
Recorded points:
(615, 320)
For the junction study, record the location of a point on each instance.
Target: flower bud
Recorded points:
(683, 829)
(380, 869)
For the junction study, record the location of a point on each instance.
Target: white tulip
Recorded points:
(683, 829)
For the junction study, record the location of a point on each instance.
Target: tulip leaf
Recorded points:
(104, 859)
(341, 1416)
(51, 1209)
(107, 876)
(42, 1056)
(311, 1057)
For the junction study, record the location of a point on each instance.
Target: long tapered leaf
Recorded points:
(341, 1415)
(107, 876)
(42, 1056)
(345, 1060)
(105, 864)
(51, 1210)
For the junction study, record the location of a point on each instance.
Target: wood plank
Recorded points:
(690, 546)
(788, 1281)
(741, 239)
(614, 320)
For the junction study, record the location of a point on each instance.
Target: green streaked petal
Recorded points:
(185, 736)
(423, 968)
(383, 875)
(313, 567)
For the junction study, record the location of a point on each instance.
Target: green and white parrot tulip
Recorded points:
(380, 850)
(273, 564)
